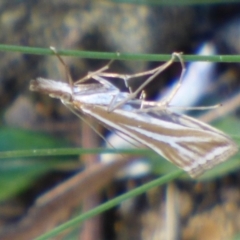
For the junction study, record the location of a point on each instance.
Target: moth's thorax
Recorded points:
(99, 98)
(92, 88)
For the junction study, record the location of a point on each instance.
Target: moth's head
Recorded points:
(54, 89)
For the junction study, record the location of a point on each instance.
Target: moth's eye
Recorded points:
(66, 97)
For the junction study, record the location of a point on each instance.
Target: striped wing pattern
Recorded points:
(186, 142)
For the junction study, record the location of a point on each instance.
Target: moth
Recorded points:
(190, 144)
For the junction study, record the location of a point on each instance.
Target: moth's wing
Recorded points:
(191, 145)
(184, 120)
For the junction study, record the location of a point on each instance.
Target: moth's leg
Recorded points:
(154, 72)
(168, 99)
(95, 73)
(155, 106)
(90, 75)
(165, 102)
(127, 77)
(147, 106)
(124, 77)
(68, 75)
(104, 82)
